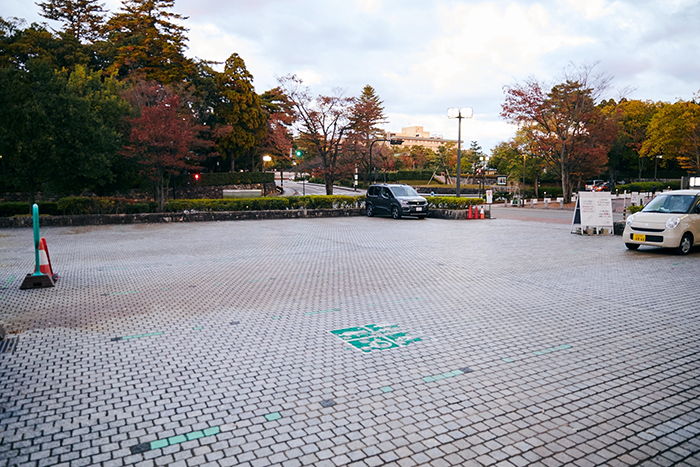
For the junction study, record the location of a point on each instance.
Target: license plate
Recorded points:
(419, 208)
(639, 238)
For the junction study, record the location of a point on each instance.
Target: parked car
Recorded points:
(397, 200)
(597, 185)
(670, 220)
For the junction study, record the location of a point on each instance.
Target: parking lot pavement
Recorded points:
(348, 341)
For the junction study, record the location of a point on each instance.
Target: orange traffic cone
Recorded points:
(482, 212)
(45, 260)
(469, 211)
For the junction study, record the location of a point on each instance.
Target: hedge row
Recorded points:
(76, 205)
(25, 209)
(451, 202)
(642, 187)
(264, 204)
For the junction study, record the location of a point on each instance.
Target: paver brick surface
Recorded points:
(499, 342)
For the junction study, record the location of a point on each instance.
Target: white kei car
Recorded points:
(670, 220)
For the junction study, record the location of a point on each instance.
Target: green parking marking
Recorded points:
(408, 300)
(276, 317)
(321, 311)
(449, 374)
(165, 442)
(161, 443)
(508, 360)
(215, 430)
(375, 337)
(138, 336)
(198, 328)
(553, 349)
(273, 416)
(10, 279)
(124, 293)
(194, 435)
(177, 439)
(164, 289)
(386, 389)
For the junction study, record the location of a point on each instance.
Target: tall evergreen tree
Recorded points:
(82, 19)
(366, 116)
(239, 112)
(146, 41)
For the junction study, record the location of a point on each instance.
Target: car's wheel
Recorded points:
(370, 210)
(686, 244)
(395, 212)
(632, 246)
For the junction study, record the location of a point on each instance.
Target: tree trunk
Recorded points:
(233, 160)
(565, 183)
(159, 190)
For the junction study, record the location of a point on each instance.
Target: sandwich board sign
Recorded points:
(593, 214)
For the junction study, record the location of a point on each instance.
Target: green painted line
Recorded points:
(164, 289)
(386, 389)
(449, 374)
(321, 311)
(177, 439)
(138, 336)
(215, 430)
(198, 328)
(508, 360)
(273, 416)
(408, 300)
(553, 349)
(161, 443)
(124, 293)
(194, 435)
(276, 317)
(10, 279)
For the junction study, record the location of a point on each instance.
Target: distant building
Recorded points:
(415, 136)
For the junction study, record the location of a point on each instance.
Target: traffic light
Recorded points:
(479, 170)
(396, 142)
(299, 153)
(196, 176)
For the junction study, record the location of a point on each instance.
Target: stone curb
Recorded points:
(157, 218)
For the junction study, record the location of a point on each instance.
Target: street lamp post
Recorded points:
(522, 187)
(656, 165)
(459, 114)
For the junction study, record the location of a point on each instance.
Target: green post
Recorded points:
(37, 239)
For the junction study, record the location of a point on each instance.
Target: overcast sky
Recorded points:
(425, 56)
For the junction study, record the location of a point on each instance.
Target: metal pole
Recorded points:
(459, 152)
(522, 189)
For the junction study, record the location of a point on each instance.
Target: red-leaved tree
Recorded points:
(564, 125)
(163, 135)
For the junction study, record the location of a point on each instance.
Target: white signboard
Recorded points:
(489, 196)
(594, 213)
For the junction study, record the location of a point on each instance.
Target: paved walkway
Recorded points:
(349, 341)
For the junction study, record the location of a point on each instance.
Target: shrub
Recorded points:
(263, 204)
(452, 202)
(79, 205)
(10, 209)
(632, 209)
(642, 187)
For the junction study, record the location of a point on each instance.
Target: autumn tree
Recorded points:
(279, 117)
(82, 19)
(239, 112)
(323, 122)
(632, 118)
(366, 116)
(146, 41)
(674, 133)
(163, 135)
